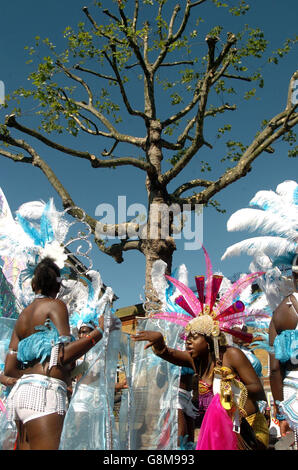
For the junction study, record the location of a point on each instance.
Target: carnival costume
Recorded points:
(166, 295)
(207, 316)
(38, 231)
(274, 214)
(155, 381)
(90, 423)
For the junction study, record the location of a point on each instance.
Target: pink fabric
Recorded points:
(2, 407)
(217, 429)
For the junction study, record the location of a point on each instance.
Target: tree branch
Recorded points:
(237, 77)
(171, 36)
(74, 77)
(95, 25)
(135, 15)
(83, 69)
(37, 161)
(116, 250)
(220, 109)
(189, 185)
(16, 157)
(114, 66)
(68, 202)
(273, 131)
(84, 128)
(198, 120)
(95, 162)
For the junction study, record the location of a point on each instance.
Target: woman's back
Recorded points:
(39, 326)
(36, 315)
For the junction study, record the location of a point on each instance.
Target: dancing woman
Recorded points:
(225, 377)
(41, 355)
(234, 365)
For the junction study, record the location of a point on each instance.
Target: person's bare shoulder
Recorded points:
(234, 354)
(281, 309)
(57, 305)
(22, 320)
(283, 317)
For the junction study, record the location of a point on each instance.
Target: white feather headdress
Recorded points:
(275, 216)
(85, 303)
(37, 231)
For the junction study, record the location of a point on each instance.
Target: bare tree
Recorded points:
(75, 96)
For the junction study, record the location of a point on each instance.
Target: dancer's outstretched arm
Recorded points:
(156, 341)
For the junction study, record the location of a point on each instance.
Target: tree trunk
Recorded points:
(154, 250)
(157, 242)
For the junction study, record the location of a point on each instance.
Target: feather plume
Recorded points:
(158, 280)
(31, 210)
(244, 316)
(270, 246)
(46, 229)
(209, 272)
(96, 284)
(247, 337)
(5, 212)
(183, 274)
(188, 295)
(267, 200)
(179, 319)
(30, 230)
(288, 190)
(173, 293)
(236, 289)
(264, 221)
(59, 223)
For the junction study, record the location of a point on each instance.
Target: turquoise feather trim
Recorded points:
(286, 346)
(39, 345)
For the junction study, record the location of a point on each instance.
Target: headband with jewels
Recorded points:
(38, 231)
(208, 315)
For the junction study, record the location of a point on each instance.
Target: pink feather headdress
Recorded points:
(206, 314)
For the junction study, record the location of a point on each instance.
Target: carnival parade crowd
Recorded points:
(189, 375)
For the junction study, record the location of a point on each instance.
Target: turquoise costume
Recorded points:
(42, 344)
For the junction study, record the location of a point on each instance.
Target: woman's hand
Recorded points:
(154, 337)
(8, 381)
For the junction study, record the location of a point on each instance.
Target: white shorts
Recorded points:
(34, 396)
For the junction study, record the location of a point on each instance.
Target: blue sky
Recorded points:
(22, 21)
